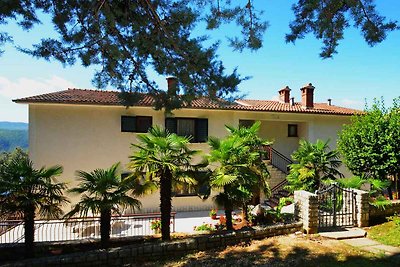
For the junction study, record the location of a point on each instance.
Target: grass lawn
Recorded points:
(283, 251)
(387, 233)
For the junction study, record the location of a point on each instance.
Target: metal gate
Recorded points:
(336, 207)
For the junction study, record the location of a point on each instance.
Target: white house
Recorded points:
(89, 129)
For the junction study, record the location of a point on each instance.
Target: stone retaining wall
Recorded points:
(388, 211)
(155, 250)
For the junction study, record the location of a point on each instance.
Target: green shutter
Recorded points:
(170, 125)
(201, 130)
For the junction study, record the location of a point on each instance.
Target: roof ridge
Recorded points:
(93, 90)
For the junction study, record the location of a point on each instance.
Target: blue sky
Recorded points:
(357, 73)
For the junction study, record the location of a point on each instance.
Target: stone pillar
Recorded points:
(362, 208)
(306, 210)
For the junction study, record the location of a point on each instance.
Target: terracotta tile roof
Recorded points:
(98, 97)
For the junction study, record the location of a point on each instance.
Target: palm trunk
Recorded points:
(105, 227)
(228, 216)
(245, 211)
(390, 192)
(29, 225)
(165, 203)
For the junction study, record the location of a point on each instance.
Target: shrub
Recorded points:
(380, 202)
(205, 227)
(395, 218)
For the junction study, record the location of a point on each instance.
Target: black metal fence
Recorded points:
(81, 228)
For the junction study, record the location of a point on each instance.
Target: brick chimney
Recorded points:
(172, 85)
(307, 96)
(284, 94)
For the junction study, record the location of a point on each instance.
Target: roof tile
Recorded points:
(99, 97)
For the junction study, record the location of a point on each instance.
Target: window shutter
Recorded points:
(170, 125)
(201, 130)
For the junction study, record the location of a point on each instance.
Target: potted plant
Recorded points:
(156, 226)
(213, 214)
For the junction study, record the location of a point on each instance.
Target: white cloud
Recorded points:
(24, 87)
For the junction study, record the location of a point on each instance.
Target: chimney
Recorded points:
(172, 86)
(292, 101)
(284, 95)
(307, 96)
(329, 102)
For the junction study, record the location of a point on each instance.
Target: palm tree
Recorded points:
(25, 190)
(316, 164)
(105, 191)
(239, 170)
(164, 158)
(250, 138)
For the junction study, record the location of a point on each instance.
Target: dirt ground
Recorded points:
(290, 251)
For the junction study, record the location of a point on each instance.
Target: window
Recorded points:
(193, 127)
(136, 124)
(184, 190)
(292, 130)
(246, 123)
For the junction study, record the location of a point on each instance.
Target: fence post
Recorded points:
(306, 210)
(362, 208)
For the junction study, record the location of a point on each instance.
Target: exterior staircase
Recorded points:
(278, 167)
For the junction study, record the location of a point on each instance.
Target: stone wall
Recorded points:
(306, 210)
(362, 208)
(155, 250)
(388, 211)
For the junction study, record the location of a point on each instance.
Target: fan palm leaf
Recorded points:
(104, 191)
(26, 191)
(165, 159)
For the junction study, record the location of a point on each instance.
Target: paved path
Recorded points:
(345, 233)
(372, 246)
(356, 237)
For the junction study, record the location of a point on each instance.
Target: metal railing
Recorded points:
(82, 228)
(277, 159)
(277, 188)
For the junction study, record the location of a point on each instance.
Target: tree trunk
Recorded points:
(228, 216)
(390, 193)
(165, 203)
(245, 211)
(29, 225)
(256, 199)
(105, 227)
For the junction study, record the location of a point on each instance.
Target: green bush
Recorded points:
(395, 218)
(205, 227)
(380, 202)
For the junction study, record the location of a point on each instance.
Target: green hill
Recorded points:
(8, 125)
(12, 135)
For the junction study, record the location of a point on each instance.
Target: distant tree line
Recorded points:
(10, 139)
